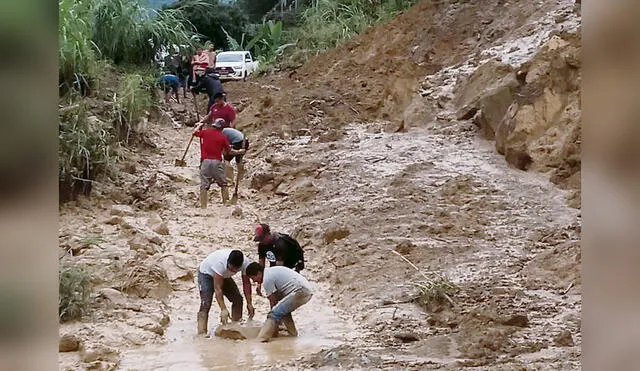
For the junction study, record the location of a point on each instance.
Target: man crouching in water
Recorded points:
(286, 289)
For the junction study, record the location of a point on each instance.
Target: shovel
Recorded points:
(195, 103)
(181, 162)
(234, 199)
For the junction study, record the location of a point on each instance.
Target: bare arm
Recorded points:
(272, 300)
(217, 284)
(246, 288)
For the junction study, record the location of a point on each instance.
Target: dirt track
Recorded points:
(329, 165)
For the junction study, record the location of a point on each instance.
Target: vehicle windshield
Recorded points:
(229, 57)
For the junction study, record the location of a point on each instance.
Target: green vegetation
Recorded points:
(332, 22)
(106, 53)
(74, 292)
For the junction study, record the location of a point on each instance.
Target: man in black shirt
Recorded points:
(278, 249)
(209, 83)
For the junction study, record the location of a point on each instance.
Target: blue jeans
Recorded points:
(290, 303)
(229, 290)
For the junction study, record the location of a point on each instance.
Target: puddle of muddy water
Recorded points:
(318, 325)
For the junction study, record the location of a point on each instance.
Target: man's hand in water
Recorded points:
(251, 310)
(224, 316)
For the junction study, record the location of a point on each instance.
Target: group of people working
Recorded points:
(284, 286)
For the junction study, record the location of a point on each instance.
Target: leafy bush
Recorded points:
(74, 292)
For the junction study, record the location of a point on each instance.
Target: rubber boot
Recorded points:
(204, 197)
(224, 191)
(290, 325)
(267, 330)
(228, 173)
(203, 319)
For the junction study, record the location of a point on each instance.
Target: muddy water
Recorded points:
(319, 327)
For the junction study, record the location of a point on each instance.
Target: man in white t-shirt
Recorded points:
(286, 289)
(215, 276)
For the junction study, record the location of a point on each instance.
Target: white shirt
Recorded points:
(216, 262)
(283, 280)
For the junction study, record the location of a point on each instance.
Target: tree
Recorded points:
(209, 16)
(256, 9)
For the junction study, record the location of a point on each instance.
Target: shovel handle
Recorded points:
(186, 150)
(195, 103)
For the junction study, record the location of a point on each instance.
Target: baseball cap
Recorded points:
(218, 123)
(261, 231)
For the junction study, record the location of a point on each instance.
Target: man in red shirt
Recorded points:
(213, 145)
(221, 110)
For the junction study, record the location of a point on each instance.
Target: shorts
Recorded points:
(211, 171)
(239, 145)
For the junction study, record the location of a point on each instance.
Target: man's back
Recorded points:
(233, 135)
(283, 281)
(213, 144)
(284, 248)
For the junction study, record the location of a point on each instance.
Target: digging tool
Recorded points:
(182, 162)
(234, 198)
(195, 104)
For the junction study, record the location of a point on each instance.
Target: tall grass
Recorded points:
(77, 54)
(132, 100)
(332, 22)
(128, 33)
(74, 292)
(87, 148)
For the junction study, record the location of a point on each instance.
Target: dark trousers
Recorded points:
(229, 290)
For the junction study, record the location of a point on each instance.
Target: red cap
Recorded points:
(261, 231)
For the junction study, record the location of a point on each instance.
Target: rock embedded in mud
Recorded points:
(335, 233)
(68, 343)
(114, 220)
(114, 297)
(518, 320)
(406, 337)
(237, 212)
(98, 352)
(564, 339)
(122, 210)
(162, 229)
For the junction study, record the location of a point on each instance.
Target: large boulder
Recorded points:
(533, 111)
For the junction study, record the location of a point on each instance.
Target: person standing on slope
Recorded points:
(213, 145)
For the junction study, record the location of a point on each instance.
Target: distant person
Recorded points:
(215, 276)
(211, 51)
(211, 84)
(287, 290)
(170, 83)
(199, 62)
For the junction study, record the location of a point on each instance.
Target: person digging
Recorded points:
(215, 276)
(278, 249)
(287, 290)
(213, 144)
(238, 141)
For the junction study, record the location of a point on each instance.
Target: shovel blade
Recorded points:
(181, 163)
